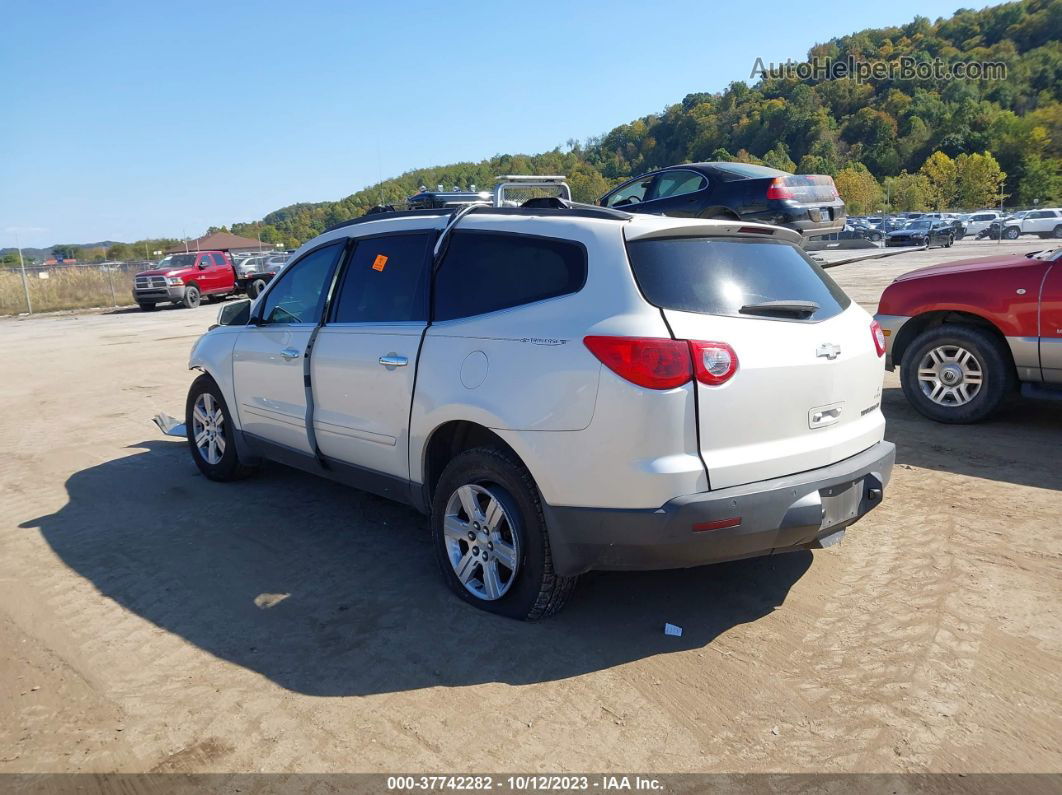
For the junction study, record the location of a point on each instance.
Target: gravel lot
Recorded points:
(153, 621)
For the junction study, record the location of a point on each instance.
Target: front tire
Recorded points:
(957, 374)
(210, 432)
(192, 297)
(1011, 233)
(1058, 232)
(490, 537)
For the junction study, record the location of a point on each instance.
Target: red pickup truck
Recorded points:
(185, 279)
(966, 335)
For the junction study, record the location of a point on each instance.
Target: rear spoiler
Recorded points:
(681, 227)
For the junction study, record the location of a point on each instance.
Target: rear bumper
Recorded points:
(777, 515)
(804, 218)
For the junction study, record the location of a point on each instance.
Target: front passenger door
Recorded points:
(267, 365)
(365, 356)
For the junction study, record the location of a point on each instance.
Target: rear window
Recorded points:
(714, 276)
(750, 171)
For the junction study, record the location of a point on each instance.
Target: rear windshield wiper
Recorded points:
(797, 308)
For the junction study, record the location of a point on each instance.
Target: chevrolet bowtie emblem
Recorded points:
(829, 350)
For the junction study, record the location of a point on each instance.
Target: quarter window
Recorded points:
(386, 281)
(299, 294)
(486, 271)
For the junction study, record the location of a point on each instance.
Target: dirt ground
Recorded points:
(151, 620)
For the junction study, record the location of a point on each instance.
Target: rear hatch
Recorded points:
(807, 388)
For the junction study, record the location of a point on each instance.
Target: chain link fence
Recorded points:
(49, 288)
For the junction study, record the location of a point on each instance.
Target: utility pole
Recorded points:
(999, 240)
(22, 267)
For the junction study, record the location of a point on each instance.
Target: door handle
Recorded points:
(290, 353)
(393, 360)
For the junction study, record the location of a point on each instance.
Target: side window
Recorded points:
(386, 281)
(486, 271)
(675, 183)
(631, 193)
(298, 296)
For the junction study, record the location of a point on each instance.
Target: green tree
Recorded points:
(908, 192)
(778, 157)
(1041, 181)
(979, 178)
(860, 191)
(943, 176)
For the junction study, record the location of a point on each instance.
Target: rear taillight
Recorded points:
(645, 361)
(713, 362)
(779, 190)
(663, 363)
(879, 337)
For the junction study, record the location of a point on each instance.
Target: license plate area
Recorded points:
(841, 503)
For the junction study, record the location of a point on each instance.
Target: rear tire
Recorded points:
(147, 307)
(200, 416)
(502, 490)
(1058, 232)
(191, 297)
(936, 356)
(254, 289)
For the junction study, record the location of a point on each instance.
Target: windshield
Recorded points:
(177, 261)
(721, 276)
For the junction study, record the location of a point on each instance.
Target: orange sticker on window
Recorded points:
(379, 263)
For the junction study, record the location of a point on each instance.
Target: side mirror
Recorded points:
(202, 265)
(237, 313)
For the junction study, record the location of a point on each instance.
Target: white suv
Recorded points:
(559, 389)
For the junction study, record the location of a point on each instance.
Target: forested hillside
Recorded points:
(871, 136)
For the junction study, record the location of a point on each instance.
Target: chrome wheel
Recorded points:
(482, 541)
(208, 428)
(950, 375)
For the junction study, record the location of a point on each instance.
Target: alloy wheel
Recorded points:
(950, 375)
(482, 541)
(208, 428)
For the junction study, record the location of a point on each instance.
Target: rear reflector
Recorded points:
(646, 361)
(718, 524)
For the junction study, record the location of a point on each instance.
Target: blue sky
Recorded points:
(122, 120)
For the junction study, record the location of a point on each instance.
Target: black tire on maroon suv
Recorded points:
(956, 373)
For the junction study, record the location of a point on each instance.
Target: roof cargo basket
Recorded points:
(508, 182)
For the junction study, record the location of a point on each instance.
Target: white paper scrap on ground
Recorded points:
(671, 629)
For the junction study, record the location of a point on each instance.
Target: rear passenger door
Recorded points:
(679, 192)
(1051, 324)
(365, 356)
(504, 347)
